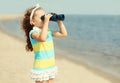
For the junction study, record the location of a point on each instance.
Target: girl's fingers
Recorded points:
(47, 16)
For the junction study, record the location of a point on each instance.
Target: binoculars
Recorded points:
(55, 17)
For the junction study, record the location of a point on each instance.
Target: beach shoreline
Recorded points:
(108, 76)
(15, 46)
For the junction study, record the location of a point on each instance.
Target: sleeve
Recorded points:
(33, 41)
(30, 33)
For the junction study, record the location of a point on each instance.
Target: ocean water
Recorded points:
(92, 39)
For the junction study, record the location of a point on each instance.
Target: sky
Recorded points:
(111, 7)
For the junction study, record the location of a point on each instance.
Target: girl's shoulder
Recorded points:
(31, 31)
(34, 30)
(33, 41)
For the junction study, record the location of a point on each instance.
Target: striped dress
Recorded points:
(44, 60)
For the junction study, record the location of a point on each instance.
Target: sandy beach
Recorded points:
(15, 65)
(9, 16)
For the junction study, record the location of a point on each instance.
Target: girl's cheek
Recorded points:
(41, 22)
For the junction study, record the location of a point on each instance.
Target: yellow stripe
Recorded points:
(41, 46)
(44, 63)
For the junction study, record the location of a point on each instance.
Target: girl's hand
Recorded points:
(47, 17)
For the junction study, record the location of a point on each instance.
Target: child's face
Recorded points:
(36, 20)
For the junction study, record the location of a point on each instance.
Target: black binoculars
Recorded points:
(55, 17)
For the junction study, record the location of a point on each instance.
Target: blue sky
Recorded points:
(63, 6)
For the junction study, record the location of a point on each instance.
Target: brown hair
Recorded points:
(27, 27)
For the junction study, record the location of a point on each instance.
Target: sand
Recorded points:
(15, 65)
(9, 16)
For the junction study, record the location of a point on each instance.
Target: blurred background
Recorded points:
(93, 29)
(63, 6)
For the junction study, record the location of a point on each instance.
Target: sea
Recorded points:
(92, 39)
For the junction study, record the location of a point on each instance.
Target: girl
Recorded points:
(39, 39)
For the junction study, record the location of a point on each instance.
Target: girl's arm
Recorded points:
(43, 34)
(62, 32)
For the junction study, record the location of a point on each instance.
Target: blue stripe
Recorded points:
(44, 54)
(39, 69)
(33, 41)
(49, 36)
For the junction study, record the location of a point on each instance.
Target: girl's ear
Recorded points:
(33, 23)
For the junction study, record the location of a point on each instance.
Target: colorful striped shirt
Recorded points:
(43, 51)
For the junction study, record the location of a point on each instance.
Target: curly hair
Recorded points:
(27, 27)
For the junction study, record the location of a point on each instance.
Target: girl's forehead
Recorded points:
(40, 12)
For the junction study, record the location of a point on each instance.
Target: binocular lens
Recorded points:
(61, 17)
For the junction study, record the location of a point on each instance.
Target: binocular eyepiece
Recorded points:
(55, 17)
